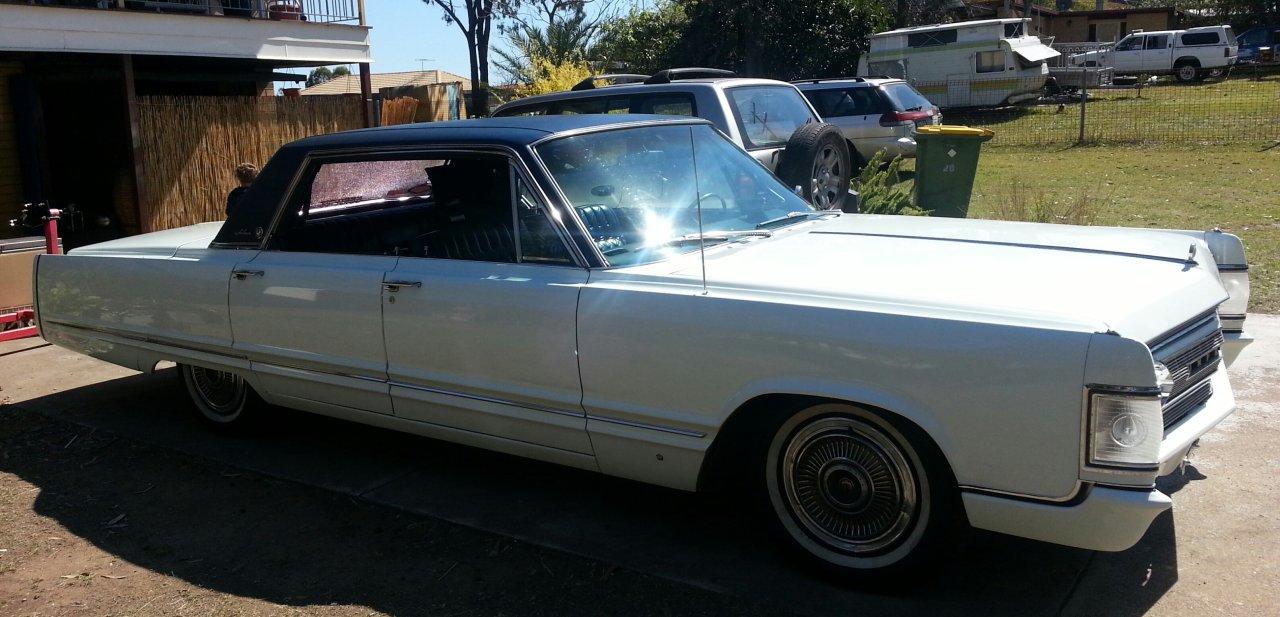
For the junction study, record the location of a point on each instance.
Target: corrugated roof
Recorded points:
(350, 84)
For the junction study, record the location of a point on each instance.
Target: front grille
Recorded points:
(1191, 365)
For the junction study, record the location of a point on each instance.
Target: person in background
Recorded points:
(245, 173)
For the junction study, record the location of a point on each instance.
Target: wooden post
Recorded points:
(366, 94)
(135, 140)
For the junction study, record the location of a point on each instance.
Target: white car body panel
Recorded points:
(992, 338)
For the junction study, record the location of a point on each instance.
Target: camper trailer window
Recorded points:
(931, 39)
(1013, 31)
(990, 61)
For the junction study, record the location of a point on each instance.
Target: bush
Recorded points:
(881, 190)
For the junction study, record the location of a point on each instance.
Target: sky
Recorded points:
(410, 35)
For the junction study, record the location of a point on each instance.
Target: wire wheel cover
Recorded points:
(222, 392)
(849, 485)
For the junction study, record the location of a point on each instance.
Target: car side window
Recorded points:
(1130, 44)
(1159, 41)
(437, 205)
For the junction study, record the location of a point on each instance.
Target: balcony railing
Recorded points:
(317, 11)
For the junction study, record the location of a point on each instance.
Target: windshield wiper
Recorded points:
(717, 236)
(791, 216)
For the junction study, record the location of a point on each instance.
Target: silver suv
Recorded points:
(873, 113)
(769, 119)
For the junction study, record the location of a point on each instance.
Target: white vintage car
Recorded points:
(636, 295)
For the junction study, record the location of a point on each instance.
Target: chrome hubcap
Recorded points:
(222, 392)
(827, 177)
(849, 485)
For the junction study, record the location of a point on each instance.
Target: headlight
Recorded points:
(1125, 430)
(1232, 310)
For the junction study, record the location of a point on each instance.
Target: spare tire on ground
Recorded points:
(817, 160)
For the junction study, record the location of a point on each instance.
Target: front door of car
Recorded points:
(1127, 56)
(311, 325)
(480, 319)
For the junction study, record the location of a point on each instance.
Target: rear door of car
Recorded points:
(307, 309)
(1157, 53)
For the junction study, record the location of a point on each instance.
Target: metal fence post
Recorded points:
(1084, 99)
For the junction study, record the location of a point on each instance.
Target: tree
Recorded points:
(552, 77)
(565, 40)
(318, 76)
(761, 38)
(475, 19)
(322, 74)
(644, 41)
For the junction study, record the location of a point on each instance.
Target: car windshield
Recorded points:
(648, 193)
(768, 115)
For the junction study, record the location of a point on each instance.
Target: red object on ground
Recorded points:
(21, 315)
(17, 333)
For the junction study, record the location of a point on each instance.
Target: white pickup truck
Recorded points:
(1189, 55)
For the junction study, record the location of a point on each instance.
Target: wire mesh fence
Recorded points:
(1244, 107)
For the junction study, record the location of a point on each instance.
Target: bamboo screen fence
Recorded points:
(191, 146)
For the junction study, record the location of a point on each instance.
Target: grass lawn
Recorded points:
(1233, 187)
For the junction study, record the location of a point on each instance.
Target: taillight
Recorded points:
(902, 118)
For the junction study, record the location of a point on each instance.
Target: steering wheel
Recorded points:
(693, 207)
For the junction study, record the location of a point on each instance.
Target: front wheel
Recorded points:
(855, 495)
(223, 399)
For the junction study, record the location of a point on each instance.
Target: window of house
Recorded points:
(990, 61)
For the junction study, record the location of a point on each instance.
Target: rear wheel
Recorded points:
(1187, 71)
(223, 399)
(857, 495)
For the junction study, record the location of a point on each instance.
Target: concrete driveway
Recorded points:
(1216, 553)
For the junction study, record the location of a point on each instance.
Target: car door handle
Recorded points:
(244, 274)
(396, 285)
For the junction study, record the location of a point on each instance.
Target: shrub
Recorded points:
(881, 190)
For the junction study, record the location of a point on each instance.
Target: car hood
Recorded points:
(1139, 283)
(159, 244)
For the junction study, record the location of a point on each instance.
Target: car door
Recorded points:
(1127, 56)
(480, 319)
(307, 310)
(1157, 54)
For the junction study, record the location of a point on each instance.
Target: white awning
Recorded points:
(1036, 53)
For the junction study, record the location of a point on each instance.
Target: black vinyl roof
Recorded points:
(512, 131)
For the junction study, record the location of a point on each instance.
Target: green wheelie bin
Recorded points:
(946, 163)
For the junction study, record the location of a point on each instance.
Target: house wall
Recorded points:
(1074, 28)
(10, 178)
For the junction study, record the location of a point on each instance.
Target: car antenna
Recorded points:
(697, 195)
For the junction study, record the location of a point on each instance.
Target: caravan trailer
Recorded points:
(963, 64)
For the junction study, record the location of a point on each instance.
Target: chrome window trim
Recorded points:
(514, 160)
